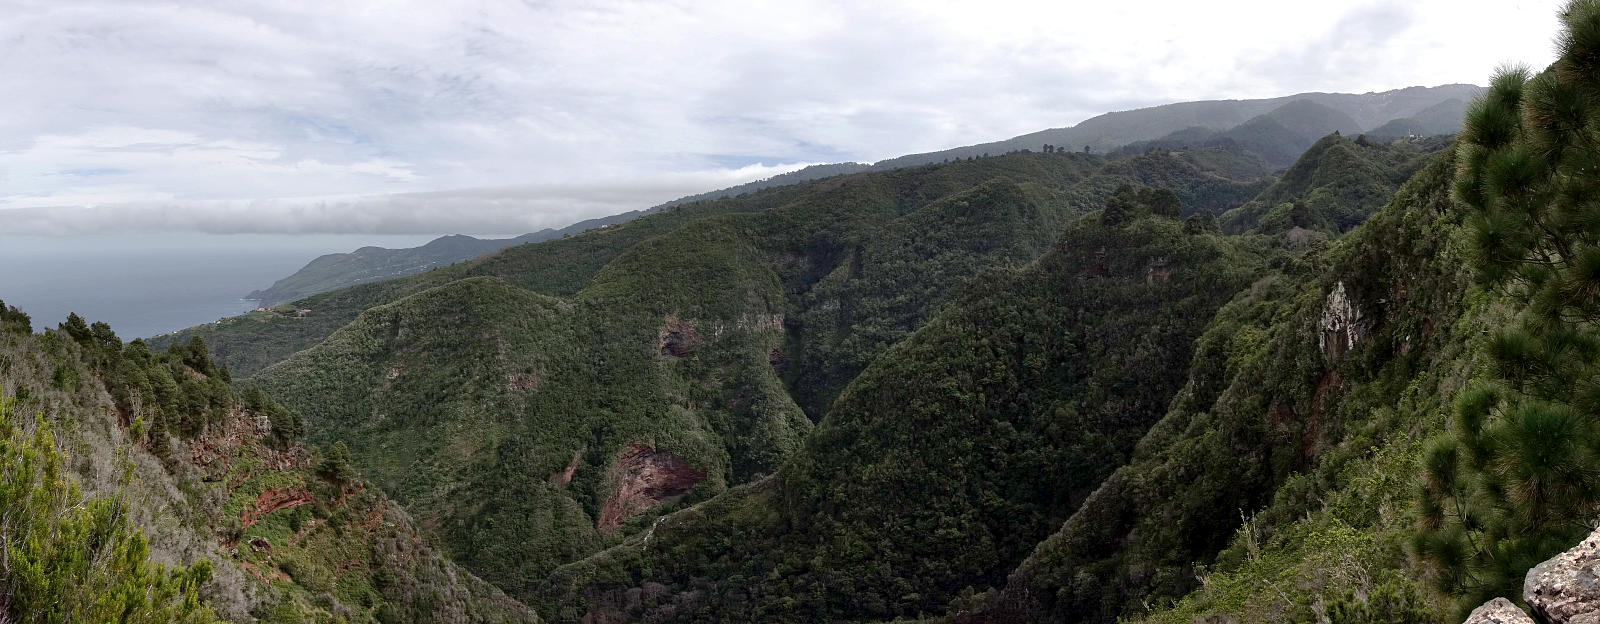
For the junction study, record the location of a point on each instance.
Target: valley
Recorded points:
(1316, 358)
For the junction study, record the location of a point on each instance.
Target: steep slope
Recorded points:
(528, 431)
(940, 465)
(1474, 460)
(217, 481)
(895, 277)
(1109, 131)
(667, 360)
(1338, 370)
(1334, 186)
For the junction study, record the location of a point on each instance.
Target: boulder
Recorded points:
(1566, 588)
(1498, 611)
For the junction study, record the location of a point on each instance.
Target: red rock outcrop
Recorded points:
(274, 499)
(644, 478)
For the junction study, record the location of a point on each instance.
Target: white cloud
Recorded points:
(504, 210)
(185, 114)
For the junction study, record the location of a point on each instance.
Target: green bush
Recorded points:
(72, 558)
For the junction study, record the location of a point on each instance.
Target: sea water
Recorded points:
(147, 284)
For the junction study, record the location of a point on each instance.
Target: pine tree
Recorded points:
(76, 327)
(336, 465)
(1516, 480)
(75, 558)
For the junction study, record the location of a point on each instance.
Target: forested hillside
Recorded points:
(877, 392)
(1213, 180)
(147, 487)
(1269, 433)
(691, 361)
(371, 264)
(1307, 399)
(1161, 385)
(1334, 186)
(944, 462)
(1273, 132)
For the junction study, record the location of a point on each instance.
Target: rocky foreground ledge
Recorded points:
(1562, 590)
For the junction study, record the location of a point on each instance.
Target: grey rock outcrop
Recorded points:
(1498, 611)
(1341, 326)
(1566, 588)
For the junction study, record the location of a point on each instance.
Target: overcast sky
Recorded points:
(505, 116)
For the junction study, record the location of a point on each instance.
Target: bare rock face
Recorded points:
(1341, 326)
(644, 478)
(678, 337)
(1498, 611)
(1566, 588)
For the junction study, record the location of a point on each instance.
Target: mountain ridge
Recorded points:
(1277, 129)
(1111, 130)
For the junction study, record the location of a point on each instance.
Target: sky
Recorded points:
(505, 116)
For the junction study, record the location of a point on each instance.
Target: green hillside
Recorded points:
(371, 264)
(944, 462)
(692, 357)
(1034, 382)
(930, 486)
(146, 487)
(1308, 398)
(562, 267)
(1333, 187)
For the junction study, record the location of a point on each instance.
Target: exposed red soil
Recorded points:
(274, 499)
(644, 478)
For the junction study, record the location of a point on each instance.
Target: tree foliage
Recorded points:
(75, 558)
(1515, 481)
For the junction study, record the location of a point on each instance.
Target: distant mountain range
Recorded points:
(1275, 130)
(1435, 110)
(371, 264)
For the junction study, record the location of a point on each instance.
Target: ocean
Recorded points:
(148, 284)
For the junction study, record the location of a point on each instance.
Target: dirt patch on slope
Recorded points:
(644, 478)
